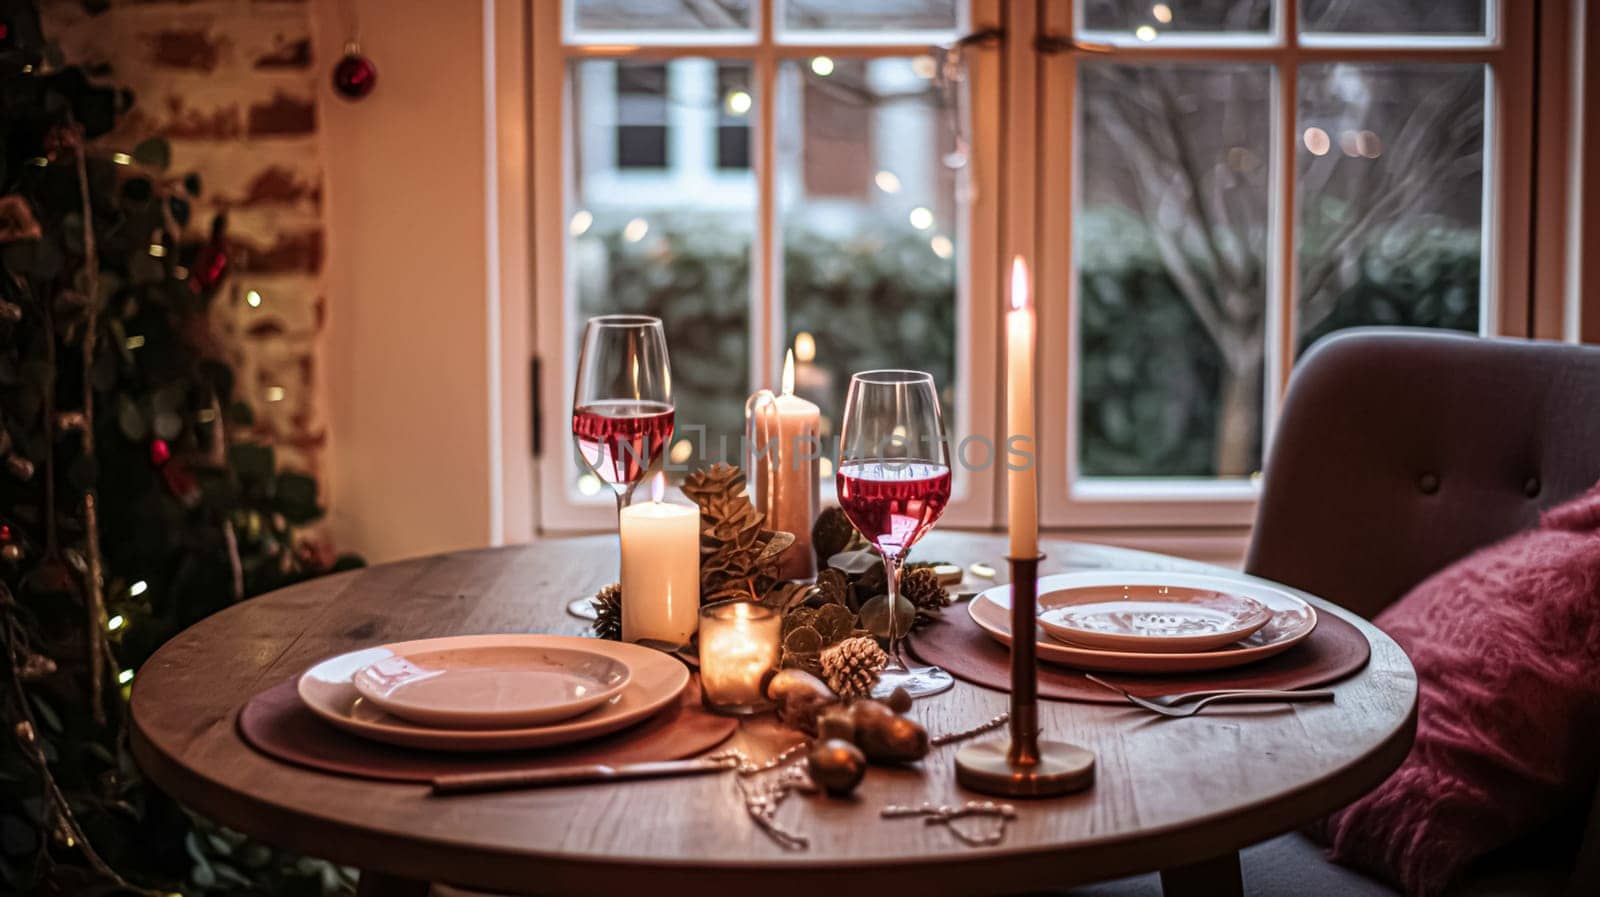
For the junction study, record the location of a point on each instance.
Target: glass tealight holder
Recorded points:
(738, 653)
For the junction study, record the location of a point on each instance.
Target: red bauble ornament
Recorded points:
(354, 76)
(160, 452)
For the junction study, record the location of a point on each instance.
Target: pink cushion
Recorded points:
(1506, 643)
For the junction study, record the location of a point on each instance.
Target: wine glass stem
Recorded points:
(891, 577)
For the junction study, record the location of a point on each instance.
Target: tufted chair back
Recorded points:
(1401, 451)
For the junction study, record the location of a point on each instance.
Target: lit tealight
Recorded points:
(887, 181)
(158, 251)
(134, 342)
(1146, 33)
(821, 66)
(138, 588)
(942, 247)
(252, 299)
(124, 677)
(116, 622)
(275, 393)
(635, 230)
(739, 102)
(921, 218)
(121, 158)
(582, 220)
(588, 484)
(1317, 141)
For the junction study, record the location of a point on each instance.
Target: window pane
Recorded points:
(616, 17)
(879, 15)
(1456, 17)
(1147, 20)
(672, 241)
(869, 217)
(1171, 242)
(1390, 185)
(641, 115)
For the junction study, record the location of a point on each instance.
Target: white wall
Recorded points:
(428, 430)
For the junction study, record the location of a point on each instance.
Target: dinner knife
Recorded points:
(585, 773)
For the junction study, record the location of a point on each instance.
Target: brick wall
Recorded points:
(232, 85)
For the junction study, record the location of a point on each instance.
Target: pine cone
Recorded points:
(608, 606)
(851, 667)
(718, 480)
(921, 587)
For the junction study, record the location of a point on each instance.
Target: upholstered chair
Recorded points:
(1398, 452)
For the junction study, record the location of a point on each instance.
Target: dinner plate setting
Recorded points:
(492, 692)
(1153, 621)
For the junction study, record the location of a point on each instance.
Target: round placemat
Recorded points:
(276, 723)
(958, 645)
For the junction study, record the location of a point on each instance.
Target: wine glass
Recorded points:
(622, 413)
(893, 483)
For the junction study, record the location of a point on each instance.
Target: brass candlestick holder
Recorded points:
(1024, 766)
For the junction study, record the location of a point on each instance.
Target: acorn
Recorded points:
(837, 766)
(800, 696)
(899, 700)
(836, 722)
(887, 737)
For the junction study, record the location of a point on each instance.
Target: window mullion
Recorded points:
(766, 319)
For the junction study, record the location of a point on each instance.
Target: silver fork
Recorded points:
(1178, 706)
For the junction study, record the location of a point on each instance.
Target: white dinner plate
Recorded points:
(1151, 619)
(1292, 621)
(656, 680)
(459, 686)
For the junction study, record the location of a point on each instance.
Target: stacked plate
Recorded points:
(1153, 622)
(492, 692)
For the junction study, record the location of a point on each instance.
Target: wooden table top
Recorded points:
(1169, 792)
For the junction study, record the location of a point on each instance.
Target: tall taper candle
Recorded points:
(1022, 462)
(660, 569)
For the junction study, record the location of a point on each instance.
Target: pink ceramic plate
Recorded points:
(1292, 621)
(477, 686)
(657, 680)
(1152, 619)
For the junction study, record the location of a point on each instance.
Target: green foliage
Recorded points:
(882, 301)
(111, 399)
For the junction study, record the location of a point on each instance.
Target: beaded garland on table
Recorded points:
(763, 797)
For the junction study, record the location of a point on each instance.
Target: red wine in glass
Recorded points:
(893, 483)
(621, 406)
(893, 503)
(622, 439)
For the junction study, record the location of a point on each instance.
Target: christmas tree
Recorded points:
(131, 505)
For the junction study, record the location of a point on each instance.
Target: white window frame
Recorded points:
(1506, 50)
(555, 46)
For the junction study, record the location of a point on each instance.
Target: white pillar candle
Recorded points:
(660, 569)
(738, 648)
(787, 450)
(1022, 485)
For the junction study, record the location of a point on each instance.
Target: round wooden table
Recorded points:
(1180, 796)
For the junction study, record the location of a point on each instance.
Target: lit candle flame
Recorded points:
(1019, 283)
(788, 373)
(658, 487)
